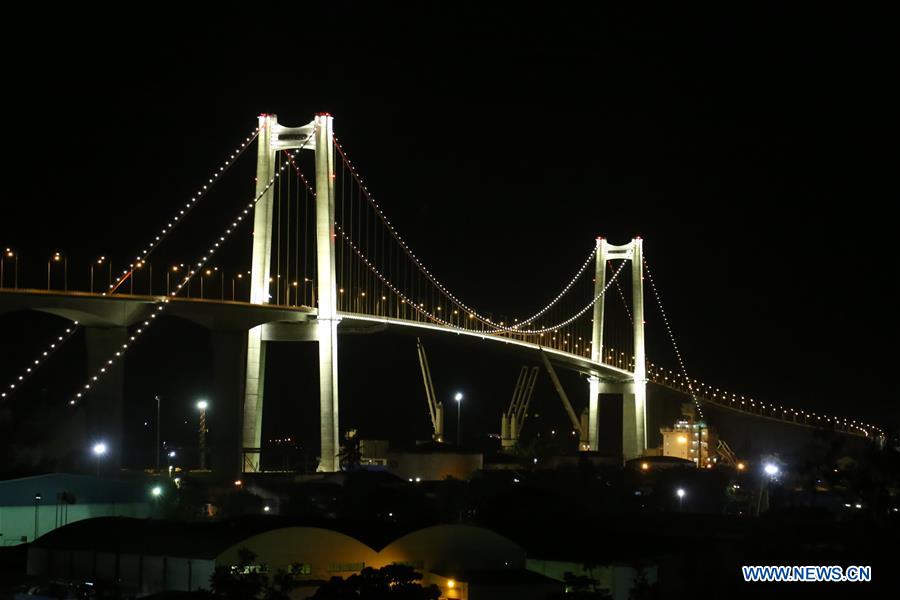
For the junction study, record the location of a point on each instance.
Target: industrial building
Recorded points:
(428, 461)
(33, 506)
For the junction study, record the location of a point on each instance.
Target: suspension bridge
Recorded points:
(327, 260)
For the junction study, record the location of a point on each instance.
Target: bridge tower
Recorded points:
(318, 137)
(634, 392)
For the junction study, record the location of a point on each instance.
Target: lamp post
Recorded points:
(238, 276)
(770, 472)
(99, 262)
(57, 257)
(140, 265)
(202, 406)
(99, 451)
(157, 433)
(680, 493)
(37, 503)
(174, 269)
(458, 397)
(8, 253)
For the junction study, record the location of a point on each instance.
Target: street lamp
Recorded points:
(771, 471)
(8, 253)
(680, 493)
(211, 273)
(458, 397)
(140, 265)
(100, 261)
(37, 504)
(157, 433)
(56, 258)
(99, 451)
(156, 491)
(202, 405)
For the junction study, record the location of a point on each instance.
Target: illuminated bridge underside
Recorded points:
(281, 323)
(96, 310)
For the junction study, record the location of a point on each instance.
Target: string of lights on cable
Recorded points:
(160, 306)
(671, 334)
(509, 330)
(462, 305)
(40, 360)
(711, 394)
(142, 257)
(202, 191)
(715, 395)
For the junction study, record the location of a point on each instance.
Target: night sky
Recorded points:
(754, 150)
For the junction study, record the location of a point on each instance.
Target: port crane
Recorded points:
(435, 407)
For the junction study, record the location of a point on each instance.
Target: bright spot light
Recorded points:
(202, 404)
(770, 469)
(458, 397)
(644, 466)
(156, 491)
(451, 584)
(680, 492)
(99, 448)
(741, 466)
(266, 508)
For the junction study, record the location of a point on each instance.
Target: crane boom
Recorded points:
(513, 419)
(435, 408)
(576, 423)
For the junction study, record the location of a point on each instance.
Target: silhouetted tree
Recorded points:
(350, 454)
(393, 582)
(248, 580)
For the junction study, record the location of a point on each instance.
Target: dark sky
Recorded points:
(754, 149)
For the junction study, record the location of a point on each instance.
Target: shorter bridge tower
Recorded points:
(634, 392)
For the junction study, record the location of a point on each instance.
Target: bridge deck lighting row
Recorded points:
(716, 396)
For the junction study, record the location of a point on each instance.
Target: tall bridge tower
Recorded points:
(634, 393)
(316, 136)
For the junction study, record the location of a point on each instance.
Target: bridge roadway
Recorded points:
(280, 323)
(106, 319)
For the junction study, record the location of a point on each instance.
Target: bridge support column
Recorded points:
(229, 361)
(326, 332)
(327, 296)
(104, 403)
(593, 433)
(593, 420)
(634, 410)
(259, 294)
(254, 385)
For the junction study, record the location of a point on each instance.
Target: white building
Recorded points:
(33, 506)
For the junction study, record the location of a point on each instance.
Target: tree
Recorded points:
(249, 580)
(393, 582)
(350, 454)
(642, 589)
